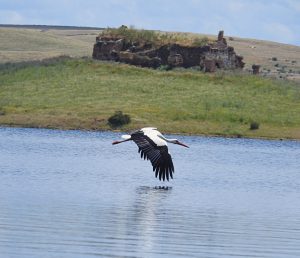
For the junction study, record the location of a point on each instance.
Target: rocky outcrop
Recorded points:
(217, 55)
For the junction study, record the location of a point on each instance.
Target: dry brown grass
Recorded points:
(18, 44)
(261, 52)
(156, 38)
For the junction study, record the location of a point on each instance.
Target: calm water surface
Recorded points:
(73, 194)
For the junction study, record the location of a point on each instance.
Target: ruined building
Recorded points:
(216, 55)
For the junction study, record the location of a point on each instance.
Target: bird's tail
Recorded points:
(126, 136)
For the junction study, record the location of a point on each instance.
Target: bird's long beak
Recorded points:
(182, 144)
(117, 142)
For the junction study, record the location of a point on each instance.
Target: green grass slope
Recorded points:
(83, 94)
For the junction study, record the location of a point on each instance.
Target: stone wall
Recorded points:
(217, 55)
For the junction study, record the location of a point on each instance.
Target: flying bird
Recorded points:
(153, 146)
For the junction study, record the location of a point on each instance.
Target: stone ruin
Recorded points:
(213, 56)
(255, 69)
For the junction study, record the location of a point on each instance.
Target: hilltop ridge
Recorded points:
(35, 42)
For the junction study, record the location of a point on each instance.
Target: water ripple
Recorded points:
(71, 194)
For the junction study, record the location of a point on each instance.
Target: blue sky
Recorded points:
(275, 20)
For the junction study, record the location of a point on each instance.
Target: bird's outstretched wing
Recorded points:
(159, 156)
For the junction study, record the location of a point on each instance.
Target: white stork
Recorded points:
(153, 146)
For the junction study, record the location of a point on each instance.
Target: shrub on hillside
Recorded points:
(254, 125)
(2, 112)
(119, 119)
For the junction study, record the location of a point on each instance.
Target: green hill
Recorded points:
(83, 94)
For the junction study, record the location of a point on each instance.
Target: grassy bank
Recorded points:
(83, 94)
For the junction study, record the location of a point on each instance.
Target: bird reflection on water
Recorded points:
(149, 199)
(148, 213)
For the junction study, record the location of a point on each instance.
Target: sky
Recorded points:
(274, 20)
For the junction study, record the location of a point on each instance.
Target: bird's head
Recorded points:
(175, 141)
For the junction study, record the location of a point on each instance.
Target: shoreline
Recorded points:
(164, 132)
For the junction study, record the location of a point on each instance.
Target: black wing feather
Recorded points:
(159, 156)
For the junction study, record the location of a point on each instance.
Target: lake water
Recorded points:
(73, 194)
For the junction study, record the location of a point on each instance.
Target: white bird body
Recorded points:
(155, 136)
(153, 146)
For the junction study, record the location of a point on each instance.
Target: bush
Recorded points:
(254, 126)
(274, 59)
(119, 119)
